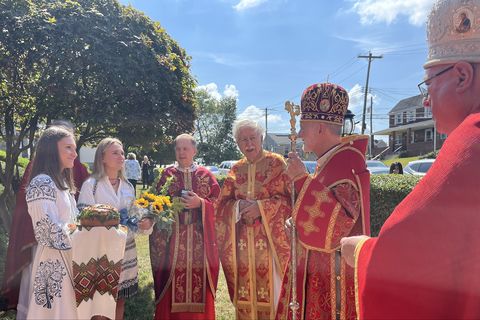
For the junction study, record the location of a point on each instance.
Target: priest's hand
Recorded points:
(191, 200)
(348, 246)
(295, 166)
(251, 212)
(145, 224)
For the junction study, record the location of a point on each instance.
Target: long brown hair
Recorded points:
(47, 159)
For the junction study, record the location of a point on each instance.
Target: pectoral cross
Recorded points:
(293, 110)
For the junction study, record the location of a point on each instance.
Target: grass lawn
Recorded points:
(142, 306)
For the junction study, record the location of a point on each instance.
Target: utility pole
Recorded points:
(372, 141)
(370, 57)
(266, 115)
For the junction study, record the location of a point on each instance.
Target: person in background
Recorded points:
(145, 172)
(132, 170)
(396, 168)
(22, 238)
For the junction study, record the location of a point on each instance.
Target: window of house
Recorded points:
(428, 135)
(398, 139)
(427, 112)
(411, 116)
(398, 118)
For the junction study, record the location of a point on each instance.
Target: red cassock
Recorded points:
(425, 263)
(22, 239)
(185, 265)
(331, 204)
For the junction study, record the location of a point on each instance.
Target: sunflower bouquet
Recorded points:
(161, 208)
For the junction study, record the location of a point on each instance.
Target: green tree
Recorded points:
(107, 68)
(213, 127)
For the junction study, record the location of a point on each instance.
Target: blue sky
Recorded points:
(268, 51)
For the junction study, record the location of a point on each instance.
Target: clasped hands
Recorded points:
(191, 200)
(249, 210)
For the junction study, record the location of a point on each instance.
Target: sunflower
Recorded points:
(142, 203)
(149, 196)
(157, 206)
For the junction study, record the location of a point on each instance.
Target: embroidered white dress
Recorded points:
(51, 294)
(102, 192)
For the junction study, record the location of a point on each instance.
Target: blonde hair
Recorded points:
(98, 167)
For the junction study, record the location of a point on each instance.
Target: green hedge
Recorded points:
(386, 192)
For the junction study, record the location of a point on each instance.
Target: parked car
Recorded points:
(225, 166)
(377, 167)
(214, 170)
(310, 165)
(418, 167)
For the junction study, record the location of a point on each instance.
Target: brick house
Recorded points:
(411, 128)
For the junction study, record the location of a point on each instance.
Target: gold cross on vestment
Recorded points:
(262, 293)
(261, 245)
(242, 292)
(242, 244)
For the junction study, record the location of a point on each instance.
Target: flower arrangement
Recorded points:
(161, 208)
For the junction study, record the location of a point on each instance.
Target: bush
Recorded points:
(403, 154)
(386, 192)
(430, 155)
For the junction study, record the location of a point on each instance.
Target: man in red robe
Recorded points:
(424, 264)
(185, 264)
(331, 203)
(22, 239)
(250, 225)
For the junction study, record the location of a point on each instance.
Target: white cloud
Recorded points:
(212, 89)
(230, 91)
(247, 4)
(375, 11)
(256, 114)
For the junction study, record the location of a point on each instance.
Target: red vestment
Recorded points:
(185, 266)
(22, 239)
(331, 204)
(254, 253)
(424, 264)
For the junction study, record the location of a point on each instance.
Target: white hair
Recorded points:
(247, 123)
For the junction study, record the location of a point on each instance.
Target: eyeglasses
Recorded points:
(423, 86)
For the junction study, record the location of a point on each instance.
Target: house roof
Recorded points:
(280, 138)
(408, 103)
(416, 125)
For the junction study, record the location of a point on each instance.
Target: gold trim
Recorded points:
(174, 260)
(301, 194)
(233, 239)
(252, 270)
(333, 288)
(188, 307)
(358, 248)
(331, 225)
(362, 208)
(207, 265)
(341, 148)
(343, 314)
(304, 286)
(269, 234)
(188, 297)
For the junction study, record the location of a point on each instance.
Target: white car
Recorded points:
(225, 166)
(377, 167)
(213, 170)
(418, 167)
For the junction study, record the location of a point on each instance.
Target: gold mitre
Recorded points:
(453, 32)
